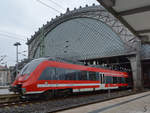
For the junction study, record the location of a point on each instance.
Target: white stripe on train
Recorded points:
(63, 85)
(101, 87)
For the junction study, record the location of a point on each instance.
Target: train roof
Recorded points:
(68, 61)
(65, 60)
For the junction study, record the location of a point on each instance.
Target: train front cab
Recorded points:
(23, 78)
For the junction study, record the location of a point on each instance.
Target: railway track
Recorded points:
(61, 103)
(8, 98)
(14, 100)
(9, 104)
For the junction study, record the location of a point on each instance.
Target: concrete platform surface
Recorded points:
(5, 91)
(139, 103)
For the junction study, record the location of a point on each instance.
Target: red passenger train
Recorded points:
(49, 75)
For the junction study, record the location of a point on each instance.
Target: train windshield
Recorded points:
(30, 67)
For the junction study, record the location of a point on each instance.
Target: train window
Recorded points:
(122, 80)
(114, 80)
(92, 75)
(100, 77)
(60, 73)
(48, 74)
(108, 79)
(79, 75)
(119, 80)
(97, 76)
(70, 75)
(30, 67)
(88, 75)
(127, 80)
(82, 75)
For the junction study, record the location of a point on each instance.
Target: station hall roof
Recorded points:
(134, 14)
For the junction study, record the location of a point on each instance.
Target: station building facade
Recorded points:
(5, 78)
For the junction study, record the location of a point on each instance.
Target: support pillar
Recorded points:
(136, 68)
(136, 72)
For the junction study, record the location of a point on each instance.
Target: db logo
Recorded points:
(46, 82)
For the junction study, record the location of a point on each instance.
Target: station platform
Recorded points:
(5, 91)
(139, 103)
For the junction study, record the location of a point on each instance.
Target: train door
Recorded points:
(100, 78)
(102, 81)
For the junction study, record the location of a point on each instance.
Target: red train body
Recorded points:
(44, 74)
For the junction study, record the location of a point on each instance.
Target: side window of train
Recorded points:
(92, 75)
(97, 76)
(88, 75)
(60, 73)
(114, 80)
(70, 75)
(122, 80)
(108, 79)
(119, 80)
(79, 75)
(127, 80)
(82, 75)
(47, 74)
(100, 77)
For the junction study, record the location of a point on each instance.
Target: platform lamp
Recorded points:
(17, 44)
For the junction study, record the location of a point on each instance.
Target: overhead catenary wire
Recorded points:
(10, 33)
(11, 37)
(56, 4)
(48, 6)
(11, 58)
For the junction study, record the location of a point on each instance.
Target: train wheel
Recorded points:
(63, 92)
(68, 92)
